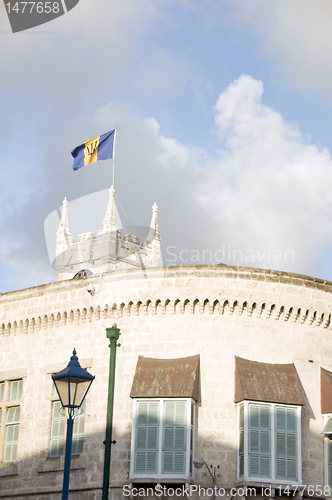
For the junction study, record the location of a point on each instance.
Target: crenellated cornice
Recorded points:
(216, 307)
(223, 290)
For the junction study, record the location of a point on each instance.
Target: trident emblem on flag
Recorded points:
(91, 148)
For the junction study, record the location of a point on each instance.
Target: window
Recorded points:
(59, 428)
(326, 402)
(269, 445)
(328, 460)
(162, 438)
(10, 399)
(164, 392)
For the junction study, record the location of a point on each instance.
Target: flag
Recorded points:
(99, 148)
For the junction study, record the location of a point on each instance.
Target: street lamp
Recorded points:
(199, 464)
(72, 385)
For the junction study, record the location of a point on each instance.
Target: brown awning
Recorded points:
(166, 378)
(267, 382)
(326, 390)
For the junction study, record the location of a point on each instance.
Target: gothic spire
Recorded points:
(109, 222)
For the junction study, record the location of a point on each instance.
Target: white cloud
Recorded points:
(268, 192)
(265, 189)
(94, 49)
(298, 35)
(149, 167)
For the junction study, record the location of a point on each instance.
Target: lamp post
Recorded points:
(199, 464)
(113, 335)
(72, 385)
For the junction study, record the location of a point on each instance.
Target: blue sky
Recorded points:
(223, 111)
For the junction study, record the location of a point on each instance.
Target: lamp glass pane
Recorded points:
(80, 390)
(62, 387)
(77, 390)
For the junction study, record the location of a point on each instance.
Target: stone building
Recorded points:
(233, 365)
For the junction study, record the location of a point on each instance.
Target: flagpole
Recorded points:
(114, 143)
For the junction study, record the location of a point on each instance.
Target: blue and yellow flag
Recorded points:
(99, 148)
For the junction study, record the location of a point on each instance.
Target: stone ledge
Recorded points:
(59, 469)
(9, 470)
(220, 271)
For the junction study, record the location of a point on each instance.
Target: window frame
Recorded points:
(5, 404)
(272, 479)
(327, 440)
(190, 440)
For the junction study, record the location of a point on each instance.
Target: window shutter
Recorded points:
(174, 437)
(192, 420)
(146, 442)
(329, 458)
(57, 430)
(241, 441)
(11, 439)
(330, 475)
(286, 443)
(15, 391)
(2, 391)
(259, 441)
(78, 431)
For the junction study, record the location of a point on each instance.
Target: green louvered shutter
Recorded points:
(286, 443)
(2, 391)
(329, 458)
(15, 390)
(241, 441)
(11, 438)
(174, 437)
(57, 430)
(78, 431)
(259, 455)
(0, 419)
(192, 428)
(146, 442)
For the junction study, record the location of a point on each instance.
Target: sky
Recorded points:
(223, 114)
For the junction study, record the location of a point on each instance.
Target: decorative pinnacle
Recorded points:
(74, 359)
(64, 225)
(154, 221)
(109, 222)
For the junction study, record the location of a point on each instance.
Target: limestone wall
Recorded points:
(217, 312)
